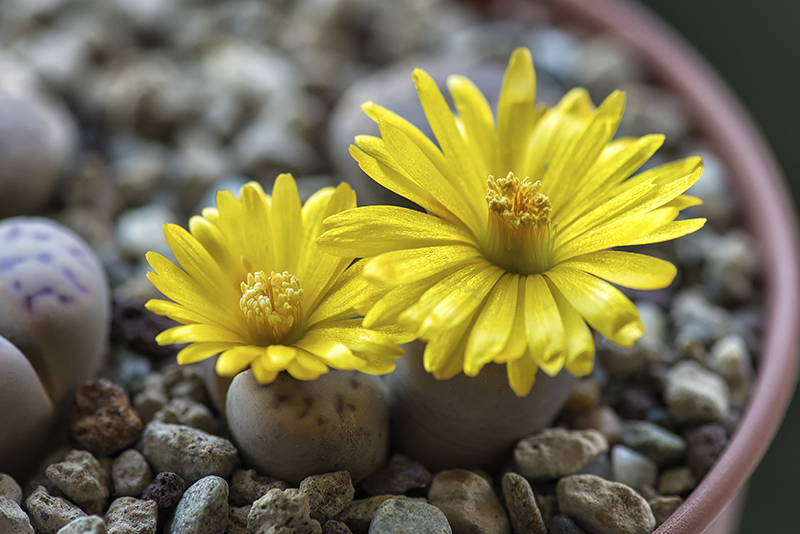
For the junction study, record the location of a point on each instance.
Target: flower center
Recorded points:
(520, 234)
(271, 304)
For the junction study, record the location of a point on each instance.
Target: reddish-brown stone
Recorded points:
(102, 420)
(398, 478)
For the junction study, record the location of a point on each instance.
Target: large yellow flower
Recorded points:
(510, 263)
(255, 288)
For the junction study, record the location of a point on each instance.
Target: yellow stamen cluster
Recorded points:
(518, 202)
(271, 304)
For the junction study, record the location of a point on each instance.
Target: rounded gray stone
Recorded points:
(632, 468)
(130, 474)
(9, 488)
(408, 517)
(203, 509)
(190, 453)
(602, 507)
(523, 511)
(127, 515)
(13, 520)
(693, 393)
(328, 494)
(557, 452)
(82, 478)
(654, 441)
(92, 524)
(282, 512)
(468, 502)
(359, 514)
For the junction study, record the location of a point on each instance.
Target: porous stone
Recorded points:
(282, 512)
(469, 502)
(633, 469)
(166, 490)
(48, 514)
(602, 507)
(328, 494)
(247, 487)
(237, 519)
(191, 453)
(562, 524)
(676, 481)
(663, 507)
(395, 516)
(655, 442)
(9, 488)
(130, 474)
(102, 420)
(523, 511)
(335, 527)
(693, 393)
(127, 515)
(399, 477)
(203, 509)
(186, 412)
(92, 524)
(148, 402)
(82, 479)
(292, 429)
(358, 514)
(13, 520)
(556, 452)
(705, 444)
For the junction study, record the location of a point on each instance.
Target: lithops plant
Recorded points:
(54, 320)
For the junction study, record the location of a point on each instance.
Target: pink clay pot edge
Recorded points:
(721, 119)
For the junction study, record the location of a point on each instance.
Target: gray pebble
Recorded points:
(562, 524)
(604, 507)
(730, 267)
(191, 453)
(247, 487)
(523, 512)
(282, 512)
(663, 507)
(676, 481)
(556, 452)
(693, 393)
(82, 479)
(556, 51)
(48, 514)
(706, 443)
(408, 517)
(328, 494)
(690, 309)
(148, 402)
(140, 230)
(9, 488)
(130, 474)
(127, 515)
(358, 514)
(469, 502)
(633, 469)
(655, 442)
(13, 520)
(203, 509)
(335, 527)
(92, 524)
(184, 411)
(730, 358)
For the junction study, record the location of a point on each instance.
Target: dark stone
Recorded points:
(335, 527)
(166, 490)
(400, 477)
(132, 325)
(102, 420)
(562, 524)
(635, 403)
(705, 444)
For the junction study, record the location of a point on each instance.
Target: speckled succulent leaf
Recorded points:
(253, 287)
(511, 263)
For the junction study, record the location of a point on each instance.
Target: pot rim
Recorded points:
(721, 119)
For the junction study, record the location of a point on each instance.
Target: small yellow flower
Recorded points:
(510, 263)
(253, 287)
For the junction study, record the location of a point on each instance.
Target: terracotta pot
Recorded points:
(768, 214)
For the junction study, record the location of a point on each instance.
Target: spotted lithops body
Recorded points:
(292, 429)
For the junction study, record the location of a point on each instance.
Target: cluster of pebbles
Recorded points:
(146, 108)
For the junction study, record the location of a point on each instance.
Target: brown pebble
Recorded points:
(102, 420)
(663, 507)
(603, 419)
(585, 395)
(400, 477)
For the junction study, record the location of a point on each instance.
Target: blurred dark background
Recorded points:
(754, 46)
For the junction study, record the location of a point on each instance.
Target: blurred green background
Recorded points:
(754, 46)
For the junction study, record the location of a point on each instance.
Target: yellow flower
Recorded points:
(510, 263)
(255, 289)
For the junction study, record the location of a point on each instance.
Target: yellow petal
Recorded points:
(406, 266)
(515, 110)
(517, 343)
(262, 373)
(338, 301)
(372, 230)
(444, 353)
(605, 308)
(543, 325)
(235, 360)
(522, 374)
(477, 122)
(493, 325)
(174, 311)
(579, 343)
(332, 352)
(627, 269)
(667, 232)
(287, 224)
(189, 333)
(211, 237)
(197, 352)
(300, 372)
(199, 264)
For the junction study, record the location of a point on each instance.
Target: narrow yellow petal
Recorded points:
(515, 110)
(372, 230)
(626, 269)
(517, 343)
(407, 266)
(189, 333)
(197, 352)
(277, 357)
(310, 362)
(255, 230)
(300, 372)
(330, 351)
(579, 346)
(341, 297)
(287, 224)
(543, 325)
(493, 325)
(475, 117)
(359, 339)
(521, 374)
(605, 308)
(235, 360)
(174, 311)
(444, 353)
(262, 373)
(211, 237)
(684, 201)
(667, 232)
(199, 264)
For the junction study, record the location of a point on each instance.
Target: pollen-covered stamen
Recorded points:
(520, 233)
(271, 304)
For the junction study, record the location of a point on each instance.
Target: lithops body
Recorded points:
(54, 320)
(292, 429)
